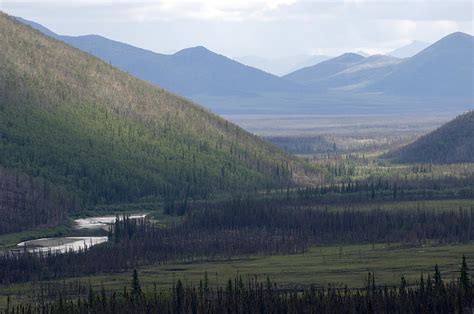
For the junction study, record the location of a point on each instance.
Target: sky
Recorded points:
(266, 28)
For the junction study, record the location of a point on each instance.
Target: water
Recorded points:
(61, 244)
(66, 244)
(101, 222)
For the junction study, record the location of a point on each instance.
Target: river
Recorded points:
(66, 244)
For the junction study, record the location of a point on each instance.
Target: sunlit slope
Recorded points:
(79, 122)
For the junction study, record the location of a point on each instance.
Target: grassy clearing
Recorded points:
(107, 210)
(436, 205)
(12, 239)
(322, 266)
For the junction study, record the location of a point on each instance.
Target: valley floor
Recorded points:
(323, 266)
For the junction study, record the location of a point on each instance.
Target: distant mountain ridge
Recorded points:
(350, 72)
(284, 65)
(409, 50)
(437, 78)
(444, 69)
(317, 73)
(191, 71)
(451, 143)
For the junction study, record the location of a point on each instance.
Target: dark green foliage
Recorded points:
(136, 288)
(451, 143)
(465, 282)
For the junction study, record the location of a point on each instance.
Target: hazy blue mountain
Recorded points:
(308, 62)
(438, 78)
(409, 50)
(191, 71)
(258, 62)
(363, 53)
(362, 73)
(38, 27)
(276, 66)
(320, 72)
(444, 69)
(197, 70)
(284, 65)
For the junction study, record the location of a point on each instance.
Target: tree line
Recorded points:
(239, 228)
(430, 294)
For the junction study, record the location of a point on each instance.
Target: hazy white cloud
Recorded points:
(232, 10)
(271, 28)
(405, 28)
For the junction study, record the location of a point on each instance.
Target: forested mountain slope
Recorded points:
(108, 137)
(451, 143)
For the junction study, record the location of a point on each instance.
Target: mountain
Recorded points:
(409, 50)
(189, 72)
(363, 53)
(308, 62)
(284, 65)
(314, 74)
(451, 143)
(444, 69)
(38, 27)
(435, 77)
(359, 74)
(363, 73)
(107, 137)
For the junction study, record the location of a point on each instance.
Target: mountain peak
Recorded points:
(93, 36)
(459, 35)
(350, 56)
(443, 69)
(195, 51)
(454, 40)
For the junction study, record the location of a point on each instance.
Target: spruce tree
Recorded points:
(437, 278)
(465, 280)
(136, 289)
